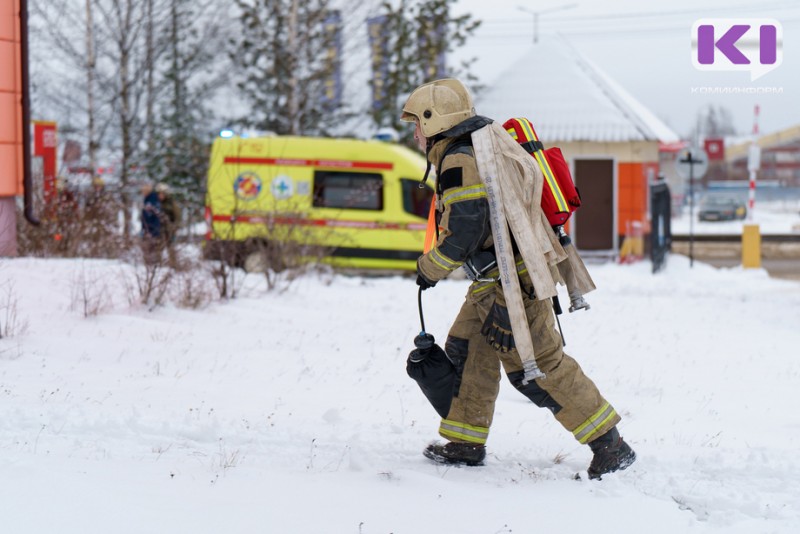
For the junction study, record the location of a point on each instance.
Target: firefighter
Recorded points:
(481, 338)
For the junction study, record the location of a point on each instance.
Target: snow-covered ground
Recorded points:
(291, 412)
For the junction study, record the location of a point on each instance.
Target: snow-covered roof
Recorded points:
(568, 98)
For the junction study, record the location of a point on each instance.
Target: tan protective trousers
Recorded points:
(565, 390)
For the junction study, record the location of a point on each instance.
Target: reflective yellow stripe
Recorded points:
(590, 427)
(521, 269)
(463, 193)
(530, 135)
(443, 261)
(551, 180)
(480, 287)
(513, 133)
(464, 432)
(528, 128)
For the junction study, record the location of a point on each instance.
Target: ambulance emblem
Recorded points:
(282, 187)
(247, 186)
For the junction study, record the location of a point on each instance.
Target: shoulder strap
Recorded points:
(462, 145)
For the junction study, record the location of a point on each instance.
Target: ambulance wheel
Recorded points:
(255, 262)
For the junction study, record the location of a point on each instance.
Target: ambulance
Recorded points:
(359, 201)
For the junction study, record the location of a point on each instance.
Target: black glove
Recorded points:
(497, 329)
(424, 283)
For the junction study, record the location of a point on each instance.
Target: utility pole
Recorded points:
(542, 12)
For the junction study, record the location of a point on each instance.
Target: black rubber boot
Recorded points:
(454, 453)
(611, 453)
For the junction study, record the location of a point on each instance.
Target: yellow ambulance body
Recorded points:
(359, 200)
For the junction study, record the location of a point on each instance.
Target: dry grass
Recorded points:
(89, 292)
(11, 323)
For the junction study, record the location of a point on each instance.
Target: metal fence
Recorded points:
(661, 233)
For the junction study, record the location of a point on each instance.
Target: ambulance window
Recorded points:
(416, 200)
(348, 190)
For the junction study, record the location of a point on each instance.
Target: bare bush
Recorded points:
(152, 282)
(279, 240)
(286, 251)
(74, 225)
(178, 278)
(89, 292)
(282, 262)
(149, 282)
(192, 286)
(224, 261)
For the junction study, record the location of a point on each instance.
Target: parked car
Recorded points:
(722, 207)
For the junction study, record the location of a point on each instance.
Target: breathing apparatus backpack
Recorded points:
(559, 196)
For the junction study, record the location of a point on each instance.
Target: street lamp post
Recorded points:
(691, 164)
(542, 12)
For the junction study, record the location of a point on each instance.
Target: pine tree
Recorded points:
(281, 55)
(418, 38)
(180, 140)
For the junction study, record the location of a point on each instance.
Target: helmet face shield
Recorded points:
(438, 106)
(407, 116)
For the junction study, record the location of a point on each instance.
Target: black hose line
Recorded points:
(419, 304)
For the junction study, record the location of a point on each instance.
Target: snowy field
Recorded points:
(291, 412)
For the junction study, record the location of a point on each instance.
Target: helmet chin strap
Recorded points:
(428, 146)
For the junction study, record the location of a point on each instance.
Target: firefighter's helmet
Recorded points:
(438, 105)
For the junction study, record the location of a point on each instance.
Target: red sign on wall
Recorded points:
(44, 146)
(715, 148)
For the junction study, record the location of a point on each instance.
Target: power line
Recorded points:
(657, 14)
(605, 30)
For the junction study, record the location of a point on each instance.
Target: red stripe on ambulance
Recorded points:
(327, 163)
(366, 225)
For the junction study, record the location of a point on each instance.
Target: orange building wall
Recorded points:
(632, 194)
(10, 101)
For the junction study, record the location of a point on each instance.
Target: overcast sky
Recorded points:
(647, 47)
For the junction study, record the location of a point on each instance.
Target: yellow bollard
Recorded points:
(751, 247)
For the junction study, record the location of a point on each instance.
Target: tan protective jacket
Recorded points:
(484, 199)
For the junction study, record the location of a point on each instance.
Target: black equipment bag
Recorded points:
(433, 371)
